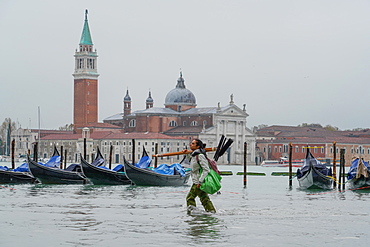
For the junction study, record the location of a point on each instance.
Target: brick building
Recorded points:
(181, 117)
(273, 143)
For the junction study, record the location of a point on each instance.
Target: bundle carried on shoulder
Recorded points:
(212, 182)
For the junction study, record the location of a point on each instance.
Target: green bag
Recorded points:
(211, 183)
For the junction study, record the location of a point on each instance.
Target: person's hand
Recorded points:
(185, 151)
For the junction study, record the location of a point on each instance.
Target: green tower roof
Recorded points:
(86, 36)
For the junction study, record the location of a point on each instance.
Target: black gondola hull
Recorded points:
(145, 177)
(49, 175)
(101, 176)
(359, 183)
(11, 177)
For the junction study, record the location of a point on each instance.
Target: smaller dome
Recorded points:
(127, 97)
(149, 99)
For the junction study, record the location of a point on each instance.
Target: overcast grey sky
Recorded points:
(289, 61)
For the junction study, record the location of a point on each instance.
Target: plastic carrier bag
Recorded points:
(211, 183)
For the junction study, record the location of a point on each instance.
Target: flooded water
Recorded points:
(266, 213)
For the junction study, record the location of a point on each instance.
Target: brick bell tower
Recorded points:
(85, 108)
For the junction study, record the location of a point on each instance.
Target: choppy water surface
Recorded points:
(266, 213)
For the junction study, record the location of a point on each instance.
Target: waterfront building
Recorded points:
(181, 117)
(273, 143)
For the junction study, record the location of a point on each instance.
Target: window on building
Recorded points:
(296, 149)
(194, 123)
(132, 123)
(172, 123)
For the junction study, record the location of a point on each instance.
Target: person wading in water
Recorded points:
(199, 170)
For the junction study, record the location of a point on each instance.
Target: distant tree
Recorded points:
(67, 127)
(331, 128)
(261, 126)
(357, 129)
(6, 129)
(312, 125)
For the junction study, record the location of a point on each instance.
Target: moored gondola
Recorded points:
(19, 175)
(144, 176)
(359, 174)
(16, 176)
(314, 175)
(55, 175)
(98, 174)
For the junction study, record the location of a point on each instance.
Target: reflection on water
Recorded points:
(203, 227)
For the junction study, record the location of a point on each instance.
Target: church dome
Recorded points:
(127, 97)
(180, 95)
(149, 99)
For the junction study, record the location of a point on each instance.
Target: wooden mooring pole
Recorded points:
(133, 151)
(245, 165)
(85, 148)
(61, 157)
(335, 164)
(65, 158)
(110, 156)
(13, 151)
(156, 158)
(290, 166)
(35, 148)
(341, 170)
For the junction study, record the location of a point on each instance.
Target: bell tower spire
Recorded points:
(85, 80)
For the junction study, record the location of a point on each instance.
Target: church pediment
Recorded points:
(232, 110)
